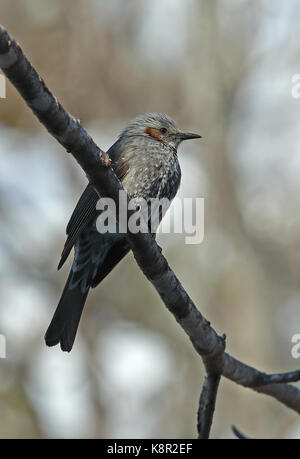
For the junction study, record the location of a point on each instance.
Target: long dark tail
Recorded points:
(63, 326)
(90, 267)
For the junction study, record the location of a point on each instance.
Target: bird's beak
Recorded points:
(189, 136)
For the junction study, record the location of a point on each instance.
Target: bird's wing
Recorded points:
(85, 211)
(115, 254)
(83, 214)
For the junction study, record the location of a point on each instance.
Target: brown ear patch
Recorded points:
(155, 133)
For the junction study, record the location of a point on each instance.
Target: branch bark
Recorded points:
(210, 346)
(207, 405)
(208, 397)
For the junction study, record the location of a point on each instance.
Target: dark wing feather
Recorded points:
(113, 257)
(83, 214)
(85, 211)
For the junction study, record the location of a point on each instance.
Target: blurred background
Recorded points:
(218, 67)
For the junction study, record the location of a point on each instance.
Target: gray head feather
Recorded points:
(149, 120)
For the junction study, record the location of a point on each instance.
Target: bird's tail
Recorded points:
(64, 324)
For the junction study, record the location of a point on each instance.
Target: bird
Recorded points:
(145, 160)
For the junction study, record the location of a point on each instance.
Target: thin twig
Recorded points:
(238, 434)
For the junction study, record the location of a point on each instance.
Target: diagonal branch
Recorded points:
(74, 138)
(262, 379)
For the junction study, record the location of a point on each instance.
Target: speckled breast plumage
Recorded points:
(151, 168)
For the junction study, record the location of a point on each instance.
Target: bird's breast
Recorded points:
(153, 176)
(146, 168)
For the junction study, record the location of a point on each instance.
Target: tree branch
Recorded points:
(238, 434)
(207, 404)
(74, 138)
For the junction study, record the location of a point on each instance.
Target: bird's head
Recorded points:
(158, 127)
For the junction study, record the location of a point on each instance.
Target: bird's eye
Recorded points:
(163, 130)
